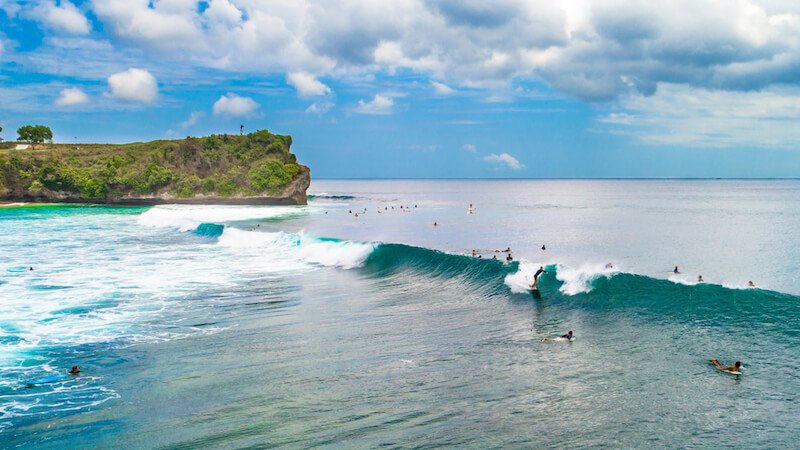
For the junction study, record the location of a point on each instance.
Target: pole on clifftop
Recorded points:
(241, 129)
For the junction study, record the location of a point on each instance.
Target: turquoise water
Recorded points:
(306, 326)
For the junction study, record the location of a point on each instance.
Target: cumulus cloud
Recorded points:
(441, 88)
(380, 104)
(319, 108)
(504, 160)
(307, 85)
(71, 97)
(680, 115)
(232, 105)
(64, 17)
(596, 50)
(192, 120)
(134, 85)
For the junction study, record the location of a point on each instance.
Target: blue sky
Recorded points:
(423, 88)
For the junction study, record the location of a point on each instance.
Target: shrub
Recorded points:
(188, 186)
(272, 175)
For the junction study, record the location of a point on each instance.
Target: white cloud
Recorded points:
(307, 85)
(134, 85)
(319, 108)
(10, 7)
(441, 88)
(65, 17)
(192, 120)
(469, 148)
(504, 159)
(380, 104)
(232, 105)
(597, 50)
(681, 115)
(71, 96)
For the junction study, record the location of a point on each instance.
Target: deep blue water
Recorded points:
(307, 326)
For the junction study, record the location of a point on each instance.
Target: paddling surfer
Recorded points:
(730, 369)
(567, 336)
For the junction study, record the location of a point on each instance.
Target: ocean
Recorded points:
(296, 327)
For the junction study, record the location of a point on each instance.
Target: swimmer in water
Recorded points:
(74, 371)
(734, 368)
(567, 336)
(536, 276)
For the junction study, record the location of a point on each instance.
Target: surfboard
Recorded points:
(50, 379)
(732, 372)
(536, 293)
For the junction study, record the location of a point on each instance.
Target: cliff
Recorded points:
(257, 168)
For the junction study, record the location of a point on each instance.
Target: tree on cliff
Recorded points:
(35, 134)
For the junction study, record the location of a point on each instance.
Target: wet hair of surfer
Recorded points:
(75, 370)
(568, 335)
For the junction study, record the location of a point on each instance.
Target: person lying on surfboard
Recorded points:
(735, 368)
(536, 276)
(567, 336)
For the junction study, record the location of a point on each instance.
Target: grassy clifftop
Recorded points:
(253, 168)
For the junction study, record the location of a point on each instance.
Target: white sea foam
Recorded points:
(521, 281)
(579, 280)
(189, 217)
(296, 250)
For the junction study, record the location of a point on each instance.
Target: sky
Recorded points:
(423, 88)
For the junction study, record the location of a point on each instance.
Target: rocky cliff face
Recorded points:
(220, 169)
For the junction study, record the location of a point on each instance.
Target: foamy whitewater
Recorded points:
(198, 326)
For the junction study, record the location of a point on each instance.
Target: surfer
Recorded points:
(536, 277)
(609, 265)
(75, 370)
(30, 269)
(474, 252)
(509, 258)
(543, 247)
(676, 270)
(507, 250)
(567, 336)
(435, 224)
(494, 257)
(750, 284)
(731, 369)
(700, 279)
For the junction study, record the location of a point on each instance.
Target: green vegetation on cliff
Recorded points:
(258, 164)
